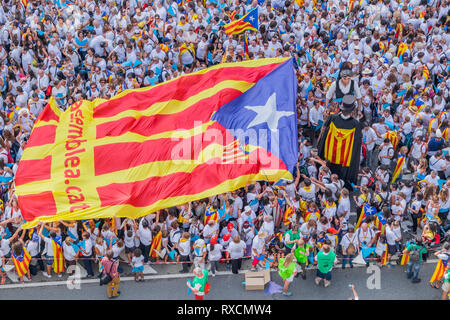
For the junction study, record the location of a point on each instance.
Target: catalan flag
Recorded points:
(393, 137)
(153, 148)
(351, 3)
(398, 168)
(366, 211)
(426, 72)
(380, 222)
(58, 256)
(310, 213)
(210, 214)
(445, 134)
(438, 272)
(246, 48)
(339, 145)
(21, 262)
(156, 245)
(398, 29)
(384, 258)
(404, 260)
(24, 3)
(288, 214)
(402, 49)
(433, 120)
(247, 22)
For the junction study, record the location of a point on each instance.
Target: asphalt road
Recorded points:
(393, 286)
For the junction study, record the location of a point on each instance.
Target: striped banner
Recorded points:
(148, 149)
(438, 272)
(339, 145)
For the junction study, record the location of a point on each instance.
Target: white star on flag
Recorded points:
(268, 114)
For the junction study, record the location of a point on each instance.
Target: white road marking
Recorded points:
(154, 277)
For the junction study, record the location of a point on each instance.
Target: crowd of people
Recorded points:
(397, 53)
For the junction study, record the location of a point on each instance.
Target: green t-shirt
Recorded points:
(447, 276)
(300, 253)
(202, 281)
(422, 250)
(292, 237)
(325, 262)
(286, 272)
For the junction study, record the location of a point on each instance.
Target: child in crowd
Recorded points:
(138, 265)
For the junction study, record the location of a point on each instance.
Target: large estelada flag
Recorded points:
(146, 149)
(248, 22)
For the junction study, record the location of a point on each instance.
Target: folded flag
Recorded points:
(171, 254)
(367, 251)
(273, 288)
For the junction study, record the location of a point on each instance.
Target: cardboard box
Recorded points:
(256, 280)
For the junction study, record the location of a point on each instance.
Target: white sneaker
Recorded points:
(59, 275)
(46, 275)
(213, 274)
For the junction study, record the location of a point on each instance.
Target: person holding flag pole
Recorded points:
(401, 164)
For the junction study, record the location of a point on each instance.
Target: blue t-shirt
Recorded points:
(435, 144)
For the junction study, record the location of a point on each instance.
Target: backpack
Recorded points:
(370, 181)
(414, 256)
(14, 149)
(338, 186)
(8, 155)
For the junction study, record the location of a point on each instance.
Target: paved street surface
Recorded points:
(227, 286)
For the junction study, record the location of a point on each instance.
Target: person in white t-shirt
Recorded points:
(138, 265)
(236, 248)
(145, 237)
(214, 254)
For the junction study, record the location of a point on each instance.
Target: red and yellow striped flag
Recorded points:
(398, 168)
(384, 258)
(288, 214)
(152, 148)
(184, 48)
(393, 137)
(58, 256)
(426, 72)
(156, 245)
(351, 3)
(405, 259)
(445, 134)
(402, 49)
(438, 272)
(339, 145)
(22, 262)
(309, 214)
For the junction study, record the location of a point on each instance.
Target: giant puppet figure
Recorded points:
(340, 142)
